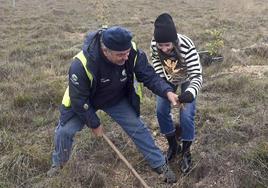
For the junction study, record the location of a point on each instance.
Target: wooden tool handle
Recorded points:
(134, 172)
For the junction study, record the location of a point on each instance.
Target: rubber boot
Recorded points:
(186, 162)
(173, 147)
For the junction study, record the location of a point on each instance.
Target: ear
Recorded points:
(105, 51)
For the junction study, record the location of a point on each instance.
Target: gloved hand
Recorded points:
(186, 97)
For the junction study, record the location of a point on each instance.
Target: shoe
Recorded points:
(166, 171)
(53, 171)
(186, 163)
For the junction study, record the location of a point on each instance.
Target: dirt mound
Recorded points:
(259, 50)
(252, 70)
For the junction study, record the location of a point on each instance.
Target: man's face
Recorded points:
(166, 47)
(117, 57)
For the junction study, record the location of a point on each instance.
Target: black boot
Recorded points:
(186, 162)
(174, 148)
(186, 146)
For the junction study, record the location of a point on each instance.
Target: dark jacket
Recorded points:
(82, 90)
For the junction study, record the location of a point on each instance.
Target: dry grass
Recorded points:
(38, 40)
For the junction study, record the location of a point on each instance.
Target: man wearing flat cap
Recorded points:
(106, 76)
(175, 59)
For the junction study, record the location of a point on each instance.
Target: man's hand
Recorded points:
(173, 98)
(98, 132)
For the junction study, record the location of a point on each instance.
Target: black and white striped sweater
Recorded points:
(177, 73)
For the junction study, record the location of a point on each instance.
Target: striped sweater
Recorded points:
(176, 73)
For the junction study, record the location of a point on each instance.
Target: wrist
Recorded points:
(169, 92)
(95, 126)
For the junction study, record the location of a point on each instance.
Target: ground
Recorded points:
(38, 41)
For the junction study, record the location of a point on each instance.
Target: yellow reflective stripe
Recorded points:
(83, 60)
(137, 85)
(134, 45)
(66, 101)
(139, 89)
(135, 48)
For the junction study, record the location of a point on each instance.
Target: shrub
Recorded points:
(215, 42)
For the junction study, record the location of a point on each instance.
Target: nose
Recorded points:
(126, 57)
(165, 49)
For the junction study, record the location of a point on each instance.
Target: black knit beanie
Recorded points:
(164, 29)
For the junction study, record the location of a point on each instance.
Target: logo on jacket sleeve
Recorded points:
(85, 106)
(74, 79)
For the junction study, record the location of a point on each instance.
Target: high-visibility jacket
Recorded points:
(66, 101)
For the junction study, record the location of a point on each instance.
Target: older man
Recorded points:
(105, 75)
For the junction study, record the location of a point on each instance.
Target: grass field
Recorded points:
(37, 42)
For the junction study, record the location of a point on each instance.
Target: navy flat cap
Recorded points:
(117, 38)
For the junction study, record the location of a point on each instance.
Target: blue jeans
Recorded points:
(126, 117)
(187, 114)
